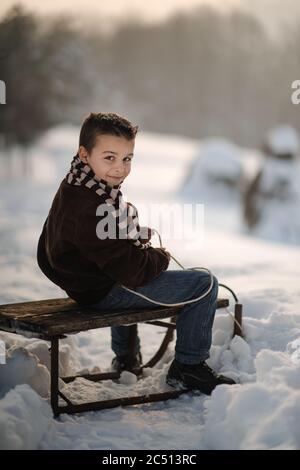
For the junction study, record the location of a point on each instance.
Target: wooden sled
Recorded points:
(53, 319)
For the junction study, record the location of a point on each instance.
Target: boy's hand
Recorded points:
(148, 232)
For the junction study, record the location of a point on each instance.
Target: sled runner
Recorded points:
(54, 319)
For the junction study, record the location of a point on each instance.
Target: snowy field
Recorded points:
(262, 411)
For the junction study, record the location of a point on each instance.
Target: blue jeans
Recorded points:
(194, 321)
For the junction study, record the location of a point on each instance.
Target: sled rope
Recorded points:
(177, 304)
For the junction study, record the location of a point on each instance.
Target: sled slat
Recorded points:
(56, 317)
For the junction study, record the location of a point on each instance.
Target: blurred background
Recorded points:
(198, 68)
(209, 82)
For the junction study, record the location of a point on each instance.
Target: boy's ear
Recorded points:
(82, 152)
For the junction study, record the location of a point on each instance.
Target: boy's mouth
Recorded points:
(116, 177)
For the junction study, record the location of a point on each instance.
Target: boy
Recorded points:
(75, 253)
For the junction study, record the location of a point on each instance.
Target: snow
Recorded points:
(214, 178)
(283, 139)
(261, 411)
(278, 200)
(280, 172)
(217, 166)
(24, 417)
(254, 418)
(218, 158)
(28, 361)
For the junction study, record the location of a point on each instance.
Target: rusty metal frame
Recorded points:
(71, 408)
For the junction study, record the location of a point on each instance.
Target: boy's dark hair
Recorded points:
(105, 123)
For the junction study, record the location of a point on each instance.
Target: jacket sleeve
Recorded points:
(120, 259)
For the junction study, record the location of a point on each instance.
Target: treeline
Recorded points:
(202, 74)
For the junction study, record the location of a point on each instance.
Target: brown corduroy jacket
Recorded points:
(71, 255)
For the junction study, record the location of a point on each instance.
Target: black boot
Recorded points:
(195, 377)
(121, 363)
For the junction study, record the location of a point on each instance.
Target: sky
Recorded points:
(274, 13)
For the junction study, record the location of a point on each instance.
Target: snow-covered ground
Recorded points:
(261, 412)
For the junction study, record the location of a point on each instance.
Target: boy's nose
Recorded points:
(119, 170)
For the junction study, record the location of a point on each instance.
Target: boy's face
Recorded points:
(110, 158)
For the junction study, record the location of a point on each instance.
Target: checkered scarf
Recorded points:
(124, 213)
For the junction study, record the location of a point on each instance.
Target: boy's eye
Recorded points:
(128, 159)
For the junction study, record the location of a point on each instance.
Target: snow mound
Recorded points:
(23, 367)
(24, 418)
(281, 178)
(28, 361)
(261, 415)
(283, 139)
(279, 202)
(216, 167)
